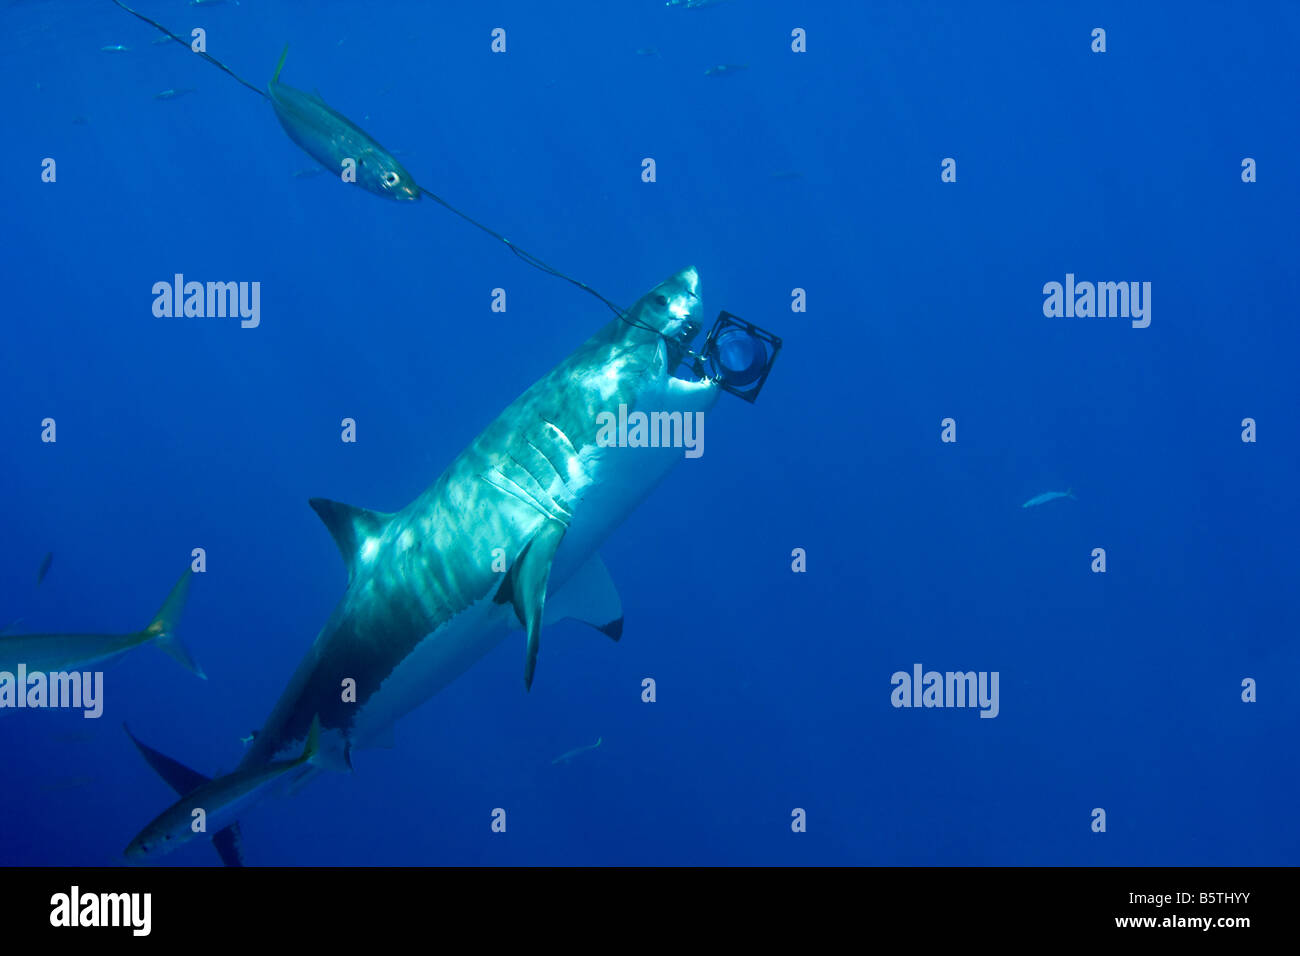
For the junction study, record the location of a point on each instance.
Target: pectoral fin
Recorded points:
(590, 597)
(525, 587)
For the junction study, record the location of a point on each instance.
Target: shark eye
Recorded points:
(391, 178)
(661, 299)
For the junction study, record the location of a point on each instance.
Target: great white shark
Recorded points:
(506, 538)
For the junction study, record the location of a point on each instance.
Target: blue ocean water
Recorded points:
(819, 171)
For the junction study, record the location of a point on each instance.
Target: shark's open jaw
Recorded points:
(677, 354)
(674, 309)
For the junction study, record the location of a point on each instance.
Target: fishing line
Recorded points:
(537, 263)
(186, 43)
(523, 254)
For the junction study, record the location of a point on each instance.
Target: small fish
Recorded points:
(45, 567)
(330, 138)
(160, 41)
(81, 119)
(307, 173)
(115, 48)
(647, 51)
(172, 94)
(66, 652)
(221, 800)
(1047, 496)
(724, 69)
(566, 757)
(693, 4)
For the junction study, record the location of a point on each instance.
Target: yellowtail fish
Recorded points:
(325, 134)
(331, 139)
(566, 757)
(64, 652)
(221, 800)
(1047, 496)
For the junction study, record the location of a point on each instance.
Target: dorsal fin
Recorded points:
(351, 527)
(280, 66)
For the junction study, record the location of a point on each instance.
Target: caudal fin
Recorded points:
(162, 629)
(183, 780)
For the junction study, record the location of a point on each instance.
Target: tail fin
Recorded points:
(184, 780)
(280, 66)
(163, 626)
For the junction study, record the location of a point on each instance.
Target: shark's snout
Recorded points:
(690, 280)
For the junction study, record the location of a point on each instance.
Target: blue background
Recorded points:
(1119, 691)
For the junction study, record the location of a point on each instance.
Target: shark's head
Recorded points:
(671, 315)
(672, 308)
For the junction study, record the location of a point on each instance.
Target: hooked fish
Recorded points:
(115, 48)
(221, 800)
(326, 135)
(1047, 496)
(331, 139)
(65, 652)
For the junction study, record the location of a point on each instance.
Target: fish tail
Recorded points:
(184, 781)
(162, 629)
(280, 66)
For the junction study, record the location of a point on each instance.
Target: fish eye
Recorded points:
(661, 299)
(391, 178)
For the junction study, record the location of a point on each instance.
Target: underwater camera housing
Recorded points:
(737, 355)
